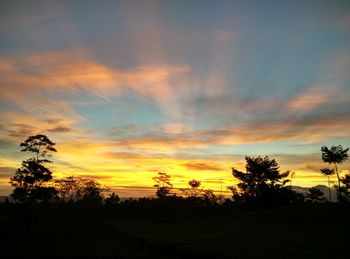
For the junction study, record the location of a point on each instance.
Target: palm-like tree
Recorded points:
(328, 172)
(335, 155)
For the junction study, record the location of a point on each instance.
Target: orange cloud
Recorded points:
(72, 71)
(202, 166)
(16, 127)
(29, 77)
(313, 97)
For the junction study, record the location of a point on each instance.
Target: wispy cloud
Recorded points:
(186, 93)
(202, 166)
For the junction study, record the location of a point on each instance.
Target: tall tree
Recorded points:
(328, 172)
(262, 182)
(40, 145)
(335, 155)
(30, 180)
(163, 185)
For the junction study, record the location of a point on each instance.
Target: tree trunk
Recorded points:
(329, 190)
(338, 177)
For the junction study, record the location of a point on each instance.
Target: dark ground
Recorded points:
(300, 231)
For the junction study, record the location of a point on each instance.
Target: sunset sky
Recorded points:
(130, 88)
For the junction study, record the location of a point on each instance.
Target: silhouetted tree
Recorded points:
(345, 188)
(201, 195)
(335, 155)
(194, 184)
(328, 172)
(30, 181)
(112, 200)
(315, 195)
(67, 188)
(193, 191)
(90, 190)
(73, 188)
(262, 183)
(163, 185)
(209, 197)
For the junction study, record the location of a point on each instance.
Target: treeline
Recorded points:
(261, 185)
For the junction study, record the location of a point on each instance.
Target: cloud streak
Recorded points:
(188, 93)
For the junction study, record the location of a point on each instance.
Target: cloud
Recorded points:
(61, 129)
(173, 128)
(162, 143)
(125, 155)
(17, 127)
(73, 72)
(202, 166)
(7, 172)
(32, 76)
(223, 35)
(7, 66)
(313, 97)
(17, 14)
(311, 167)
(265, 129)
(29, 79)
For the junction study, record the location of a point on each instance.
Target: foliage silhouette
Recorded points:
(194, 191)
(335, 155)
(163, 185)
(263, 184)
(194, 184)
(328, 172)
(31, 180)
(345, 188)
(74, 188)
(198, 215)
(200, 195)
(112, 200)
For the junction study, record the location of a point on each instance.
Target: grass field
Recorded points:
(303, 231)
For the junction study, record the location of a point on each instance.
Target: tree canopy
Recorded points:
(334, 155)
(163, 185)
(74, 188)
(262, 183)
(30, 180)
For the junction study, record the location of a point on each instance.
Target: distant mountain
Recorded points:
(323, 188)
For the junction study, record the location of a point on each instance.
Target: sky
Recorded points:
(127, 89)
